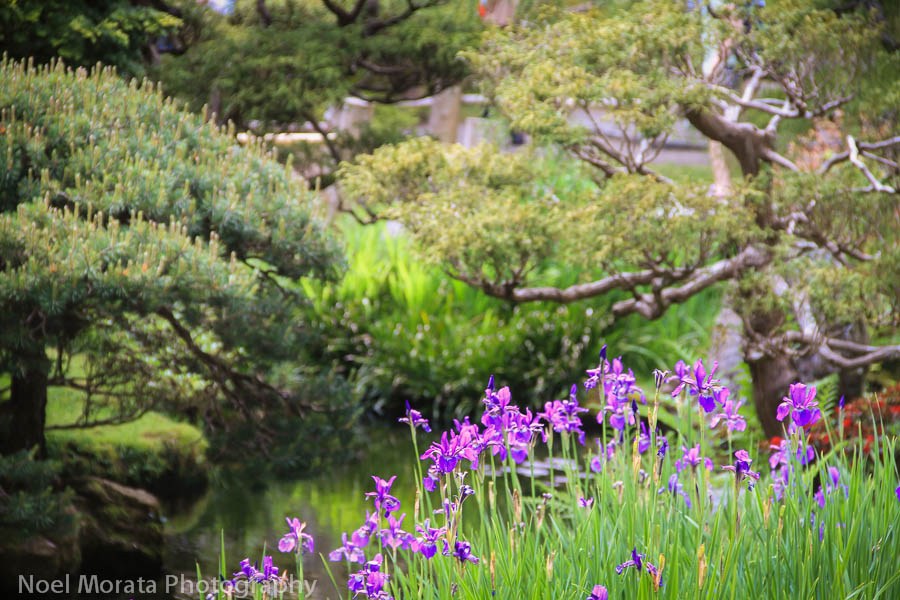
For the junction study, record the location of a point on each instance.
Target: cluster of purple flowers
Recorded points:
(370, 581)
(562, 415)
(831, 484)
(620, 390)
(782, 462)
(710, 394)
(252, 572)
(509, 433)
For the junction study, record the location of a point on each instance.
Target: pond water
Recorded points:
(252, 519)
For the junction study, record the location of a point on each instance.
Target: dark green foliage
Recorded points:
(30, 502)
(83, 33)
(305, 59)
(131, 228)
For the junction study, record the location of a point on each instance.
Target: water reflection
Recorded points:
(252, 518)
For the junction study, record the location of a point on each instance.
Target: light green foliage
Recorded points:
(565, 62)
(403, 330)
(491, 214)
(83, 33)
(632, 220)
(811, 225)
(476, 210)
(783, 34)
(153, 452)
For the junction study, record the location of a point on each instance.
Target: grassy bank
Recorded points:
(153, 452)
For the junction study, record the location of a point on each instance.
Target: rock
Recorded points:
(43, 557)
(121, 529)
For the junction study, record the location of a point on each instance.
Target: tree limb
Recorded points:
(862, 146)
(862, 354)
(649, 305)
(652, 306)
(859, 164)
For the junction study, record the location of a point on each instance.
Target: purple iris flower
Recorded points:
(660, 377)
(447, 453)
(415, 419)
(382, 495)
(729, 415)
(663, 448)
(296, 539)
(898, 493)
(586, 502)
(675, 488)
(643, 439)
(691, 458)
(699, 384)
(741, 468)
(594, 375)
(598, 593)
(495, 403)
(832, 484)
(781, 481)
(462, 551)
(361, 536)
(348, 550)
(782, 454)
(252, 573)
(393, 536)
(512, 432)
(618, 385)
(431, 479)
(370, 581)
(426, 543)
(637, 561)
(801, 405)
(841, 403)
(562, 415)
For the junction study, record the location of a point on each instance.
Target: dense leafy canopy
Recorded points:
(83, 33)
(810, 231)
(295, 59)
(134, 230)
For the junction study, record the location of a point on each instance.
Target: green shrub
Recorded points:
(404, 330)
(30, 499)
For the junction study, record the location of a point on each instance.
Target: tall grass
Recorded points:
(830, 529)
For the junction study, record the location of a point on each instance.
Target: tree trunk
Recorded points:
(28, 401)
(771, 378)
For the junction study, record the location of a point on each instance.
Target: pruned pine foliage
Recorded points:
(129, 227)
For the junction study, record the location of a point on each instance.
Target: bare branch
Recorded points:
(839, 158)
(778, 159)
(859, 164)
(854, 355)
(652, 306)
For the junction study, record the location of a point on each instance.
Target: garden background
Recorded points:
(240, 240)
